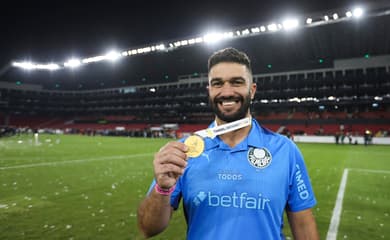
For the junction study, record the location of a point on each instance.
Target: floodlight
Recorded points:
(212, 37)
(357, 12)
(50, 66)
(348, 14)
(326, 18)
(228, 34)
(147, 49)
(93, 59)
(263, 29)
(245, 32)
(160, 47)
(309, 20)
(199, 40)
(290, 24)
(24, 65)
(255, 30)
(335, 16)
(113, 55)
(72, 63)
(125, 53)
(272, 27)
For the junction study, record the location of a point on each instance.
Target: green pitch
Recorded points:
(77, 187)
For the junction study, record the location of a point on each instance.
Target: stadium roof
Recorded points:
(45, 32)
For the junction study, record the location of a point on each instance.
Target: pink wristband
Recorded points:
(164, 192)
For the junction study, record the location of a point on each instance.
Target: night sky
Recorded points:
(44, 31)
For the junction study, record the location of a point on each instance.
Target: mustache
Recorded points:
(231, 98)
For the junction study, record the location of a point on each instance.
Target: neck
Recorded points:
(234, 137)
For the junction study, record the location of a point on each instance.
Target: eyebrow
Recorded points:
(230, 79)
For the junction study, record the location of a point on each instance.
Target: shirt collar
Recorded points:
(254, 139)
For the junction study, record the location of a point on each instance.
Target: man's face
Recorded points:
(230, 91)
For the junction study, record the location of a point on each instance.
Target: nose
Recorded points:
(226, 90)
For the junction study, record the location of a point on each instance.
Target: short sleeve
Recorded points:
(301, 195)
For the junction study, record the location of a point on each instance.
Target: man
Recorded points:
(242, 182)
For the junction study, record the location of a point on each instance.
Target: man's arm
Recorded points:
(303, 225)
(155, 210)
(154, 214)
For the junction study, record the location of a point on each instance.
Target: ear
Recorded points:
(252, 90)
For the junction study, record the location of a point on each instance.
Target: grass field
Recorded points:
(75, 187)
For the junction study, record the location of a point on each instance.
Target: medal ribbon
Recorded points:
(225, 128)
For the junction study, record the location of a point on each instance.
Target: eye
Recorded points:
(216, 83)
(237, 82)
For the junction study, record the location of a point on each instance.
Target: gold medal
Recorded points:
(195, 145)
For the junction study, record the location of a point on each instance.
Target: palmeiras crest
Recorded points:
(259, 157)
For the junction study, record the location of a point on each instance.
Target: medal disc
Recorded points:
(195, 145)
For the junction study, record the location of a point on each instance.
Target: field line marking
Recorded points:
(75, 161)
(335, 220)
(370, 170)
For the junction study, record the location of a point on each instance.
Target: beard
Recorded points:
(233, 116)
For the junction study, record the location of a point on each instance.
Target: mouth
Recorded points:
(228, 102)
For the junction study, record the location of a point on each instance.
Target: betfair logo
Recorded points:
(235, 200)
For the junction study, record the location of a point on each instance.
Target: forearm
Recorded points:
(154, 214)
(303, 225)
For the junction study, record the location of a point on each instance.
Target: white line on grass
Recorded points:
(76, 161)
(335, 220)
(370, 170)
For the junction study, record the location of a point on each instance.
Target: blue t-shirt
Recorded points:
(242, 192)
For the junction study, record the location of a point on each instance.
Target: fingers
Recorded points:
(169, 163)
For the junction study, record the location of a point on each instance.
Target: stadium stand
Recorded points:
(313, 101)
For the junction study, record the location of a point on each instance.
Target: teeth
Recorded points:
(228, 103)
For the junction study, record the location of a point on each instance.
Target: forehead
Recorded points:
(227, 70)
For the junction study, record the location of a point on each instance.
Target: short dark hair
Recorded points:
(229, 55)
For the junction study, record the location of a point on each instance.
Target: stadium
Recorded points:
(78, 135)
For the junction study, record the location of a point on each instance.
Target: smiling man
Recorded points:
(236, 179)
